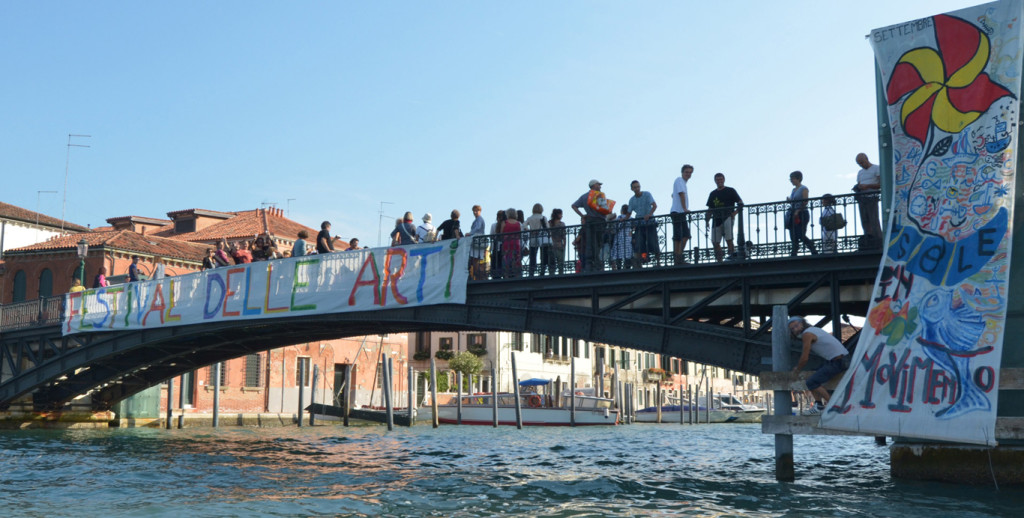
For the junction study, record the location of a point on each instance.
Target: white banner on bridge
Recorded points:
(361, 280)
(927, 363)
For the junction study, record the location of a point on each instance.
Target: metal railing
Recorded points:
(759, 232)
(40, 312)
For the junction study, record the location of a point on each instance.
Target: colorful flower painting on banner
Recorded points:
(927, 363)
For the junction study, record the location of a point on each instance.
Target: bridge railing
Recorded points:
(759, 232)
(40, 312)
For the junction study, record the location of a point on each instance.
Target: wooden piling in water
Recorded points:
(389, 387)
(216, 394)
(494, 398)
(181, 403)
(347, 393)
(170, 401)
(515, 386)
(433, 391)
(657, 398)
(572, 391)
(784, 468)
(412, 395)
(312, 394)
(458, 397)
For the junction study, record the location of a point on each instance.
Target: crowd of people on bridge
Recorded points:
(535, 245)
(515, 244)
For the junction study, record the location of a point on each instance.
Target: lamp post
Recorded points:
(83, 250)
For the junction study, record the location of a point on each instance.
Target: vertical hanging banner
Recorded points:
(927, 363)
(358, 280)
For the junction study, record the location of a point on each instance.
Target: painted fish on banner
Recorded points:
(358, 280)
(927, 363)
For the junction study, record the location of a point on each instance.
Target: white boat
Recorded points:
(538, 409)
(745, 413)
(725, 408)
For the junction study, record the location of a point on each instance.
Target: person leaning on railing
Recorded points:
(869, 180)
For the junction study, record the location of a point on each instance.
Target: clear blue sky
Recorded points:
(429, 105)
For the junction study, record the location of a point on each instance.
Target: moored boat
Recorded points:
(537, 407)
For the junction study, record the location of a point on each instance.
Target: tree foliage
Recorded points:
(466, 363)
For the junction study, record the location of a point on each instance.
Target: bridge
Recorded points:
(710, 312)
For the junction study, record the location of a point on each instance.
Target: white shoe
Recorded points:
(817, 409)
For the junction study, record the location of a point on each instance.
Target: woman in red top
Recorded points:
(511, 246)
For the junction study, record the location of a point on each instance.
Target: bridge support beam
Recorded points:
(784, 470)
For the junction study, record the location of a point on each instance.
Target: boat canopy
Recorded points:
(533, 382)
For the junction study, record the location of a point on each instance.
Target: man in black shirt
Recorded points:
(324, 243)
(450, 228)
(723, 205)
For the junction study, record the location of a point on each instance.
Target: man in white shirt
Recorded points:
(869, 180)
(827, 347)
(680, 208)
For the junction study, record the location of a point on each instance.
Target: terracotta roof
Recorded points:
(124, 240)
(141, 219)
(202, 212)
(17, 213)
(248, 223)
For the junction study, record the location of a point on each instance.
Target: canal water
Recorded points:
(638, 470)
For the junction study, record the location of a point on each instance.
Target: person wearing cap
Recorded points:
(680, 208)
(837, 359)
(593, 228)
(426, 232)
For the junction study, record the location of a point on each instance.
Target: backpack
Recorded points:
(431, 235)
(833, 222)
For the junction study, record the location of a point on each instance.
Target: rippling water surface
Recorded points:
(462, 471)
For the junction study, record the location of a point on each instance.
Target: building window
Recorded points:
(586, 349)
(302, 371)
(223, 374)
(535, 344)
(477, 343)
(182, 226)
(19, 286)
(46, 283)
(252, 370)
(516, 341)
(423, 342)
(625, 359)
(445, 343)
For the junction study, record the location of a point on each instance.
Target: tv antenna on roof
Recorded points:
(380, 218)
(288, 205)
(67, 162)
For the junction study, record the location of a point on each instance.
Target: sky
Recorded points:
(356, 112)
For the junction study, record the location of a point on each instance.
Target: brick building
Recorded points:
(268, 381)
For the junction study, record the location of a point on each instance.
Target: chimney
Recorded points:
(143, 229)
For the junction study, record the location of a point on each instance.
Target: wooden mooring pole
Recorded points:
(389, 393)
(412, 395)
(170, 401)
(458, 397)
(494, 398)
(784, 470)
(572, 391)
(515, 387)
(216, 394)
(433, 391)
(312, 394)
(347, 393)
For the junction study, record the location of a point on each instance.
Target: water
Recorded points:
(659, 470)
